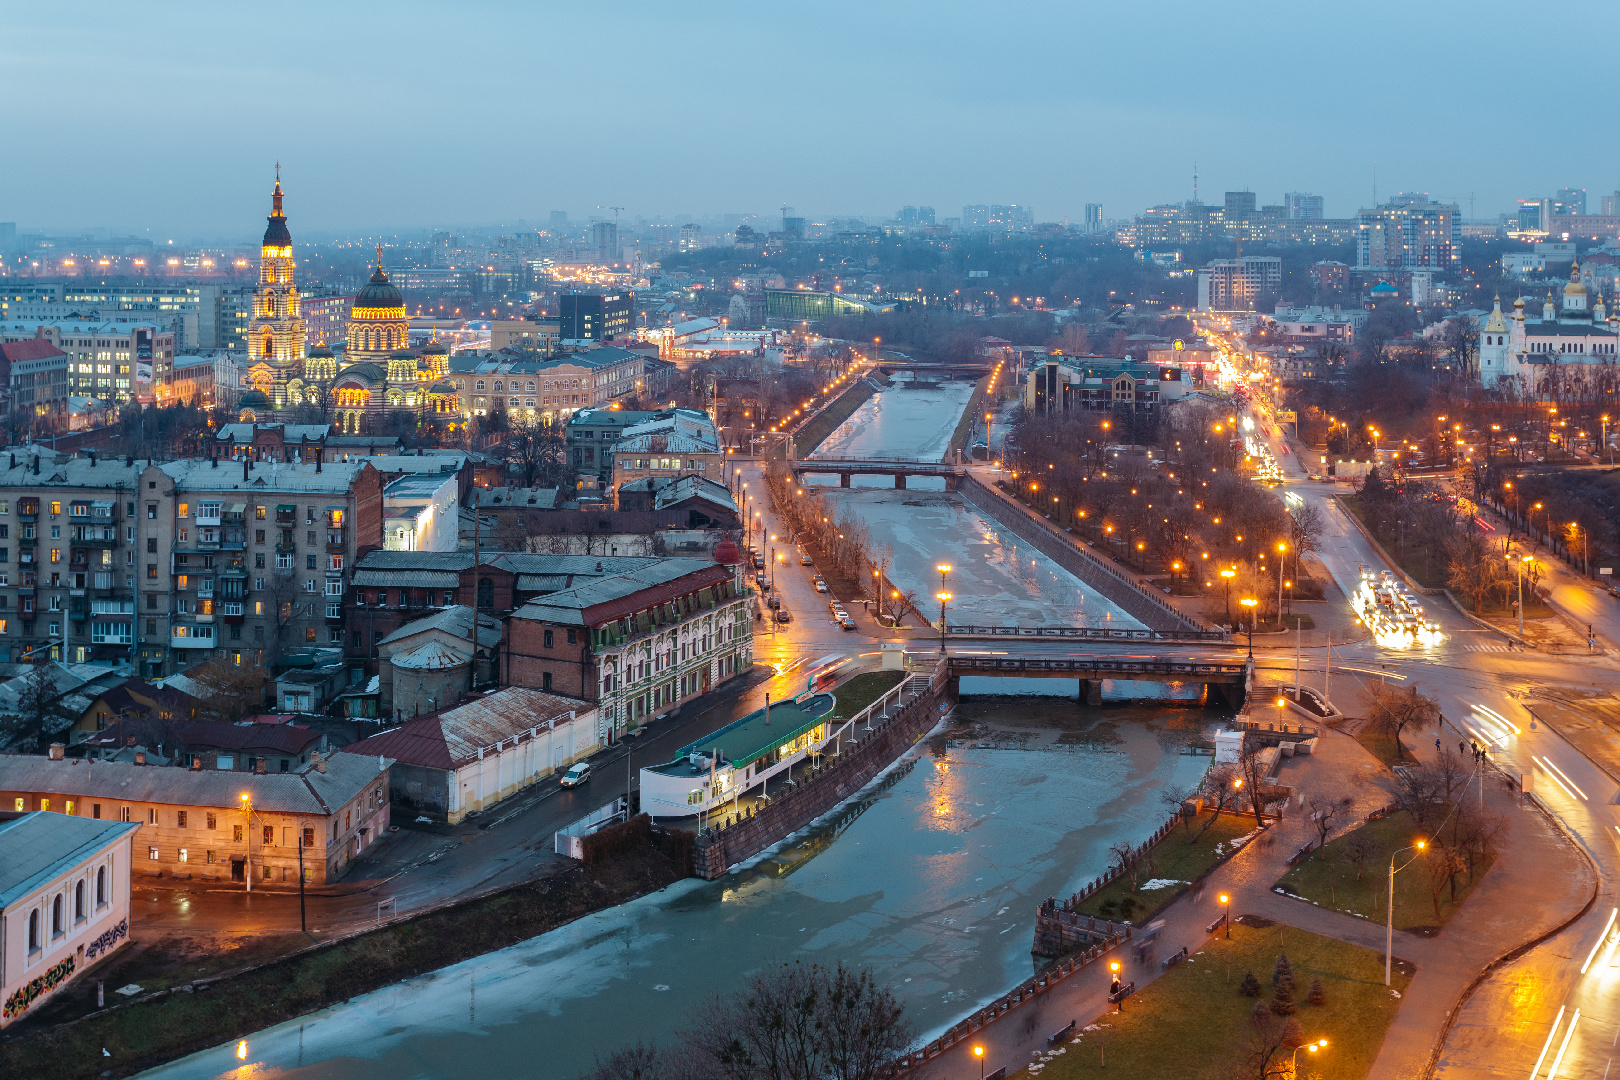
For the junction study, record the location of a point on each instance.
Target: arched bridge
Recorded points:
(897, 468)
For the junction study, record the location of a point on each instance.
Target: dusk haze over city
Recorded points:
(869, 542)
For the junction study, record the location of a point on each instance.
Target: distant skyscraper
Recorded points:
(1094, 217)
(1303, 206)
(915, 215)
(1609, 204)
(691, 237)
(8, 236)
(1409, 232)
(1569, 201)
(605, 239)
(1239, 205)
(559, 220)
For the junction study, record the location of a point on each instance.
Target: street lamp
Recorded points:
(1229, 574)
(1226, 914)
(1250, 603)
(1389, 928)
(247, 838)
(1582, 534)
(978, 1052)
(1281, 548)
(1522, 560)
(944, 598)
(1310, 1048)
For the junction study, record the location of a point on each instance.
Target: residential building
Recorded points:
(1094, 217)
(636, 643)
(682, 443)
(224, 313)
(36, 376)
(1409, 232)
(549, 390)
(326, 318)
(589, 438)
(1330, 276)
(467, 758)
(64, 901)
(114, 360)
(196, 823)
(1099, 382)
(1238, 284)
(1301, 206)
(537, 334)
(250, 746)
(191, 383)
(420, 512)
(1239, 205)
(596, 315)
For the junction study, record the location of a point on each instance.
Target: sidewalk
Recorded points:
(1551, 882)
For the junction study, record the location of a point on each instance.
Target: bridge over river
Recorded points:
(899, 468)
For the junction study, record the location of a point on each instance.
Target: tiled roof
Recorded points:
(610, 597)
(452, 620)
(306, 791)
(275, 738)
(452, 737)
(39, 847)
(33, 349)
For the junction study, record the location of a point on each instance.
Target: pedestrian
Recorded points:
(1437, 744)
(1460, 749)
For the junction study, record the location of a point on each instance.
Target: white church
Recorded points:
(1571, 352)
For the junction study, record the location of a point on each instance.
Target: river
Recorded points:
(932, 884)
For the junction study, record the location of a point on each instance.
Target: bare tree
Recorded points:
(1358, 848)
(1125, 855)
(1324, 812)
(232, 691)
(1394, 711)
(1175, 797)
(1220, 785)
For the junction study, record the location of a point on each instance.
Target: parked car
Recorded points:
(805, 560)
(783, 616)
(846, 622)
(763, 582)
(773, 602)
(759, 562)
(821, 586)
(577, 774)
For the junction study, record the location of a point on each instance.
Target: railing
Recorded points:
(1088, 633)
(1095, 665)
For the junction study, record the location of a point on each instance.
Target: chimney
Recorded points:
(316, 760)
(56, 751)
(140, 756)
(129, 461)
(92, 459)
(213, 463)
(245, 466)
(317, 461)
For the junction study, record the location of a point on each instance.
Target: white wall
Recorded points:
(504, 770)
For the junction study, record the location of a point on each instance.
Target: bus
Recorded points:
(825, 672)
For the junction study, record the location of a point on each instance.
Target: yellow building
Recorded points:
(378, 327)
(276, 330)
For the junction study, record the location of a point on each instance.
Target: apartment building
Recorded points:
(196, 823)
(680, 442)
(36, 376)
(549, 390)
(543, 335)
(635, 643)
(112, 360)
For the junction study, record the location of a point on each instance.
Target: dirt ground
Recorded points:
(1552, 635)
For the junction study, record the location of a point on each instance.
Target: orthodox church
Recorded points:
(1569, 351)
(378, 372)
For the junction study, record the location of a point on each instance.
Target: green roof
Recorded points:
(745, 740)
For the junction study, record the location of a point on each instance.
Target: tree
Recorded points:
(1393, 711)
(1283, 974)
(1317, 996)
(537, 451)
(638, 1061)
(1175, 797)
(1250, 986)
(232, 692)
(1323, 814)
(1125, 855)
(1220, 784)
(34, 699)
(1358, 848)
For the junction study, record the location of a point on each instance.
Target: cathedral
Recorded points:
(378, 372)
(1571, 351)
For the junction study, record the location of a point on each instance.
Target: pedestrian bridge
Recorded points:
(900, 469)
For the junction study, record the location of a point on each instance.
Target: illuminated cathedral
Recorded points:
(378, 371)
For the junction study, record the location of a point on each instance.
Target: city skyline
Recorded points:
(840, 117)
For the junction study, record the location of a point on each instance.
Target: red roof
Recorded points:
(32, 349)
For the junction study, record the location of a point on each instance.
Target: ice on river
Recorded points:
(933, 888)
(996, 578)
(910, 421)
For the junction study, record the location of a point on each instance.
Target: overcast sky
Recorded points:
(168, 118)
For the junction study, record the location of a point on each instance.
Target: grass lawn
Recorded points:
(1178, 857)
(863, 689)
(1381, 745)
(1329, 880)
(1193, 1018)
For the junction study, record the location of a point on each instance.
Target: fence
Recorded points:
(1087, 633)
(569, 838)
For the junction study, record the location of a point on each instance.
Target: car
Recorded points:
(847, 623)
(636, 732)
(821, 586)
(773, 602)
(805, 560)
(763, 582)
(759, 562)
(782, 615)
(577, 774)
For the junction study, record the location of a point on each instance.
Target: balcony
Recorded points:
(335, 539)
(29, 541)
(286, 549)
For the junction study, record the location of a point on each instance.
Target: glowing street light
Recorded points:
(1226, 914)
(1389, 928)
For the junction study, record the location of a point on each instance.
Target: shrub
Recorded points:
(1250, 986)
(1317, 995)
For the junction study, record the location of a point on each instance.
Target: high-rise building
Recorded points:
(605, 241)
(596, 315)
(1302, 206)
(276, 334)
(1569, 201)
(1239, 205)
(559, 220)
(1409, 232)
(1094, 217)
(691, 237)
(8, 237)
(1009, 218)
(915, 215)
(1237, 284)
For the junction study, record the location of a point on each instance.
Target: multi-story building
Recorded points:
(326, 318)
(541, 335)
(36, 376)
(636, 643)
(591, 434)
(549, 390)
(596, 315)
(223, 315)
(1060, 383)
(680, 442)
(1301, 206)
(112, 360)
(1094, 217)
(605, 243)
(1235, 284)
(1409, 232)
(221, 826)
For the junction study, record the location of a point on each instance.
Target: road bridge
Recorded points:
(1230, 679)
(898, 468)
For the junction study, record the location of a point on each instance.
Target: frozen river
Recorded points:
(932, 885)
(996, 578)
(913, 421)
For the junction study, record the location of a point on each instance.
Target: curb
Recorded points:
(1518, 951)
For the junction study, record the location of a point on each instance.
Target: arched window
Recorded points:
(78, 901)
(486, 593)
(101, 886)
(33, 930)
(58, 917)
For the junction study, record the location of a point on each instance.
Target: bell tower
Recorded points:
(276, 333)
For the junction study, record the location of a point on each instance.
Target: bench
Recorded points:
(1173, 959)
(1216, 925)
(1122, 993)
(1060, 1034)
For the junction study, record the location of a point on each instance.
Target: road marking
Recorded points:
(1601, 939)
(1487, 648)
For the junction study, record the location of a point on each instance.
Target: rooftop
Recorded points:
(332, 478)
(610, 594)
(39, 847)
(752, 737)
(452, 737)
(455, 621)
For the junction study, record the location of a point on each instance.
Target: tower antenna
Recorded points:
(1195, 183)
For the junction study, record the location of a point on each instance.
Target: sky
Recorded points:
(168, 118)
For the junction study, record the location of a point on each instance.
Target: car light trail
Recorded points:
(1552, 774)
(1601, 939)
(1574, 1019)
(1565, 775)
(1499, 718)
(1559, 1019)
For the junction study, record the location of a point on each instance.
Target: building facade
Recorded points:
(596, 315)
(276, 333)
(1572, 350)
(1409, 232)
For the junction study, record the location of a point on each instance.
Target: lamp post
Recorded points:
(1226, 914)
(1310, 1048)
(247, 838)
(1281, 561)
(1582, 534)
(978, 1052)
(944, 598)
(1250, 603)
(1228, 575)
(1389, 926)
(1522, 560)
